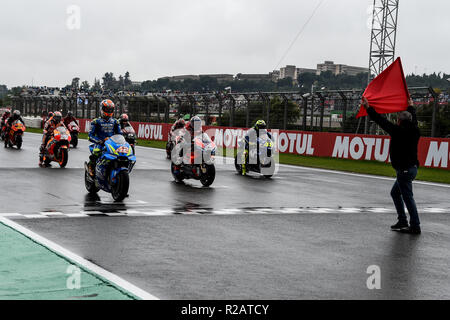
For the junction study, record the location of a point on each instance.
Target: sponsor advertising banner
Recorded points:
(433, 152)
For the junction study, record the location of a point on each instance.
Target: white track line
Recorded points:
(119, 282)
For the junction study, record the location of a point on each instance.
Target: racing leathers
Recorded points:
(8, 125)
(5, 117)
(251, 141)
(69, 119)
(101, 130)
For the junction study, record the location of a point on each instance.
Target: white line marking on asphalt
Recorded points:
(44, 213)
(76, 215)
(121, 283)
(379, 210)
(350, 210)
(434, 210)
(35, 216)
(116, 214)
(12, 214)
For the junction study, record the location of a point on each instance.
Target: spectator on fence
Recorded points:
(405, 137)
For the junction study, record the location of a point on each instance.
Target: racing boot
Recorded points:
(91, 165)
(244, 163)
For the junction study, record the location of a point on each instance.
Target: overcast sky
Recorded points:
(156, 38)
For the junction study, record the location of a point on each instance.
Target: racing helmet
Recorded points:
(180, 124)
(260, 124)
(70, 114)
(57, 117)
(187, 117)
(195, 124)
(16, 114)
(107, 107)
(7, 112)
(124, 118)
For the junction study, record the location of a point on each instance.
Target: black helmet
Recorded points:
(69, 114)
(16, 114)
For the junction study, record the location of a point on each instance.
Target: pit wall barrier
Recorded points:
(432, 152)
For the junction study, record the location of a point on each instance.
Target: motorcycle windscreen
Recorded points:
(128, 130)
(118, 139)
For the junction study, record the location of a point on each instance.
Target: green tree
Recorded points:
(425, 114)
(85, 85)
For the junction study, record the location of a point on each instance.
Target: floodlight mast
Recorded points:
(383, 38)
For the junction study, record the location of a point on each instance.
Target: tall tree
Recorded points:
(75, 83)
(85, 85)
(127, 80)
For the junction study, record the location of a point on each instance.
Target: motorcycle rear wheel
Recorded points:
(272, 167)
(208, 178)
(178, 177)
(74, 141)
(90, 186)
(119, 191)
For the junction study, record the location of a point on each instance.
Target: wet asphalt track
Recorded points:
(184, 242)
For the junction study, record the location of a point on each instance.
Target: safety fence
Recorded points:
(322, 111)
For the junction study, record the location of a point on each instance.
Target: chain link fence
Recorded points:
(325, 111)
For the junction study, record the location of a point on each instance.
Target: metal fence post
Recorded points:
(344, 113)
(435, 108)
(247, 111)
(285, 111)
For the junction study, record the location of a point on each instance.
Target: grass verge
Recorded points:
(363, 167)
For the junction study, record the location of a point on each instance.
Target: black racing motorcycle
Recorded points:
(130, 136)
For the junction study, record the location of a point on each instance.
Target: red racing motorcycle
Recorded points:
(57, 148)
(15, 135)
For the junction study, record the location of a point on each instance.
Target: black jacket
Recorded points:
(404, 139)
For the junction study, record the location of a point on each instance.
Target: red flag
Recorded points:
(388, 92)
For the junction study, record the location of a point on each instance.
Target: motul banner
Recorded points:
(433, 152)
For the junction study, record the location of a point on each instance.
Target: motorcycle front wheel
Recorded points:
(120, 188)
(64, 157)
(237, 166)
(19, 142)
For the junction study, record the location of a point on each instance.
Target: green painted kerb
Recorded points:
(30, 271)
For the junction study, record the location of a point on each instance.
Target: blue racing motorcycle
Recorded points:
(112, 168)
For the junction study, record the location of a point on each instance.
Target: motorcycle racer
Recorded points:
(14, 117)
(5, 117)
(251, 137)
(124, 121)
(69, 118)
(54, 122)
(101, 130)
